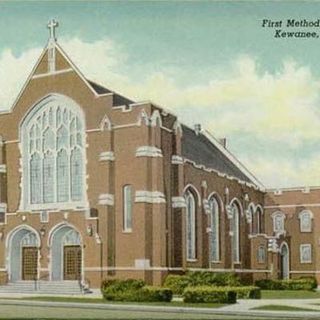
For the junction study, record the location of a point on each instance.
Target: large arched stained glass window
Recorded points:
(214, 226)
(53, 155)
(191, 225)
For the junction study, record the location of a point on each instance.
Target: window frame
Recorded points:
(275, 215)
(236, 248)
(191, 244)
(305, 245)
(304, 213)
(217, 228)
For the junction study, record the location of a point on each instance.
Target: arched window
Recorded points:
(53, 154)
(235, 233)
(127, 208)
(191, 225)
(259, 218)
(278, 222)
(215, 233)
(305, 221)
(261, 254)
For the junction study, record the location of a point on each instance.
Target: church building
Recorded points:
(94, 185)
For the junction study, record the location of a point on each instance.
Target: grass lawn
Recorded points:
(289, 294)
(97, 300)
(272, 307)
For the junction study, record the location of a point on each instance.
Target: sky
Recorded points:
(209, 62)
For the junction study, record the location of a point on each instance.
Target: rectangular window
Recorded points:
(127, 208)
(305, 253)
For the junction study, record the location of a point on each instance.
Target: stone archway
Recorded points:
(23, 254)
(66, 254)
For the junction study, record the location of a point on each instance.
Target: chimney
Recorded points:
(223, 142)
(197, 128)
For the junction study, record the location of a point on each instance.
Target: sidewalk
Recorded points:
(247, 305)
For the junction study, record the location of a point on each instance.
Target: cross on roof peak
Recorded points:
(52, 25)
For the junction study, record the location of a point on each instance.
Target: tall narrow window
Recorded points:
(62, 176)
(127, 208)
(48, 182)
(259, 221)
(35, 178)
(53, 150)
(214, 222)
(76, 175)
(235, 233)
(191, 226)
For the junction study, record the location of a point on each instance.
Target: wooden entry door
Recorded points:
(29, 263)
(72, 257)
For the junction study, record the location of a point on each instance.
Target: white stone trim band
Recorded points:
(106, 199)
(178, 202)
(3, 168)
(175, 159)
(149, 151)
(150, 197)
(107, 156)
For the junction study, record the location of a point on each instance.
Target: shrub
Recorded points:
(269, 284)
(134, 291)
(249, 292)
(154, 294)
(211, 278)
(207, 294)
(299, 284)
(176, 283)
(312, 280)
(307, 283)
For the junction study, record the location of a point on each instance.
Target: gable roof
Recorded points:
(118, 100)
(205, 150)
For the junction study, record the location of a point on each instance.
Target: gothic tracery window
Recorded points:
(53, 155)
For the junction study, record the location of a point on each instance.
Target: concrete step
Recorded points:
(45, 287)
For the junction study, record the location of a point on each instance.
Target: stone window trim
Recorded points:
(303, 247)
(278, 218)
(302, 215)
(191, 230)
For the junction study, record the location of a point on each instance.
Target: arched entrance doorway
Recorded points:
(66, 254)
(23, 254)
(284, 261)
